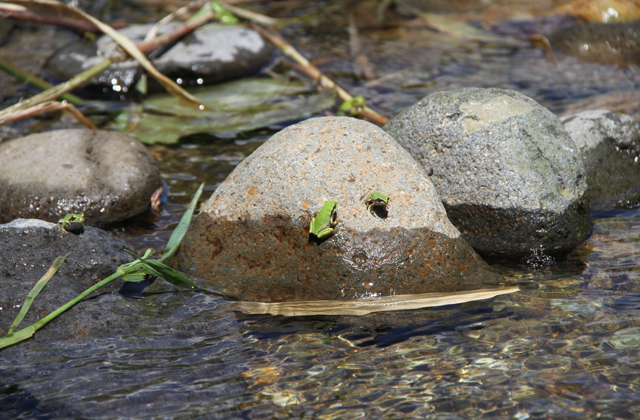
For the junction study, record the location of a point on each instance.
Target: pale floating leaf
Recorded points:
(369, 305)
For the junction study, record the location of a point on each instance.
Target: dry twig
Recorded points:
(144, 48)
(49, 107)
(35, 81)
(310, 70)
(171, 87)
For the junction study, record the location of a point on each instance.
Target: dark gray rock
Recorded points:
(609, 143)
(105, 175)
(507, 172)
(29, 247)
(251, 240)
(211, 54)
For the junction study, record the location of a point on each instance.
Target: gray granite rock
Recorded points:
(208, 55)
(105, 175)
(251, 240)
(29, 247)
(508, 174)
(609, 143)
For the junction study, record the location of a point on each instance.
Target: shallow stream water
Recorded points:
(567, 345)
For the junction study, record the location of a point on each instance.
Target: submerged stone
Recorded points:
(507, 172)
(605, 43)
(211, 54)
(105, 175)
(609, 143)
(251, 240)
(29, 247)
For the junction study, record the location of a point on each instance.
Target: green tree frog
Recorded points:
(353, 106)
(322, 225)
(72, 223)
(376, 199)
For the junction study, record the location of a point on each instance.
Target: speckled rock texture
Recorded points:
(251, 240)
(105, 175)
(211, 54)
(508, 174)
(609, 143)
(29, 247)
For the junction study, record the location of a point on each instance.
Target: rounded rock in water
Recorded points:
(209, 55)
(251, 240)
(508, 174)
(609, 143)
(105, 175)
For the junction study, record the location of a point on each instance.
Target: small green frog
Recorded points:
(376, 199)
(72, 223)
(322, 225)
(353, 106)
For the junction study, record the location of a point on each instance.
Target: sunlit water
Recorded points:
(565, 346)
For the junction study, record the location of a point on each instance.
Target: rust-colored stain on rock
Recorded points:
(274, 260)
(251, 192)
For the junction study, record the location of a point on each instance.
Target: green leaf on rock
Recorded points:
(134, 277)
(160, 270)
(180, 230)
(35, 291)
(240, 105)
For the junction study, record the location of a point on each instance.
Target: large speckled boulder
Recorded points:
(251, 241)
(609, 143)
(508, 174)
(105, 175)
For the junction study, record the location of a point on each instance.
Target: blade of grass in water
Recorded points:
(132, 270)
(27, 332)
(178, 233)
(162, 271)
(34, 292)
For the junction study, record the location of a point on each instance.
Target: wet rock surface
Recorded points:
(105, 175)
(29, 247)
(609, 143)
(605, 43)
(211, 54)
(251, 240)
(507, 172)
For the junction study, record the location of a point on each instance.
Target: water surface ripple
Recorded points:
(565, 346)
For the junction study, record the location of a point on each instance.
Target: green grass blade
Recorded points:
(17, 337)
(27, 332)
(134, 277)
(179, 232)
(158, 269)
(75, 300)
(34, 292)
